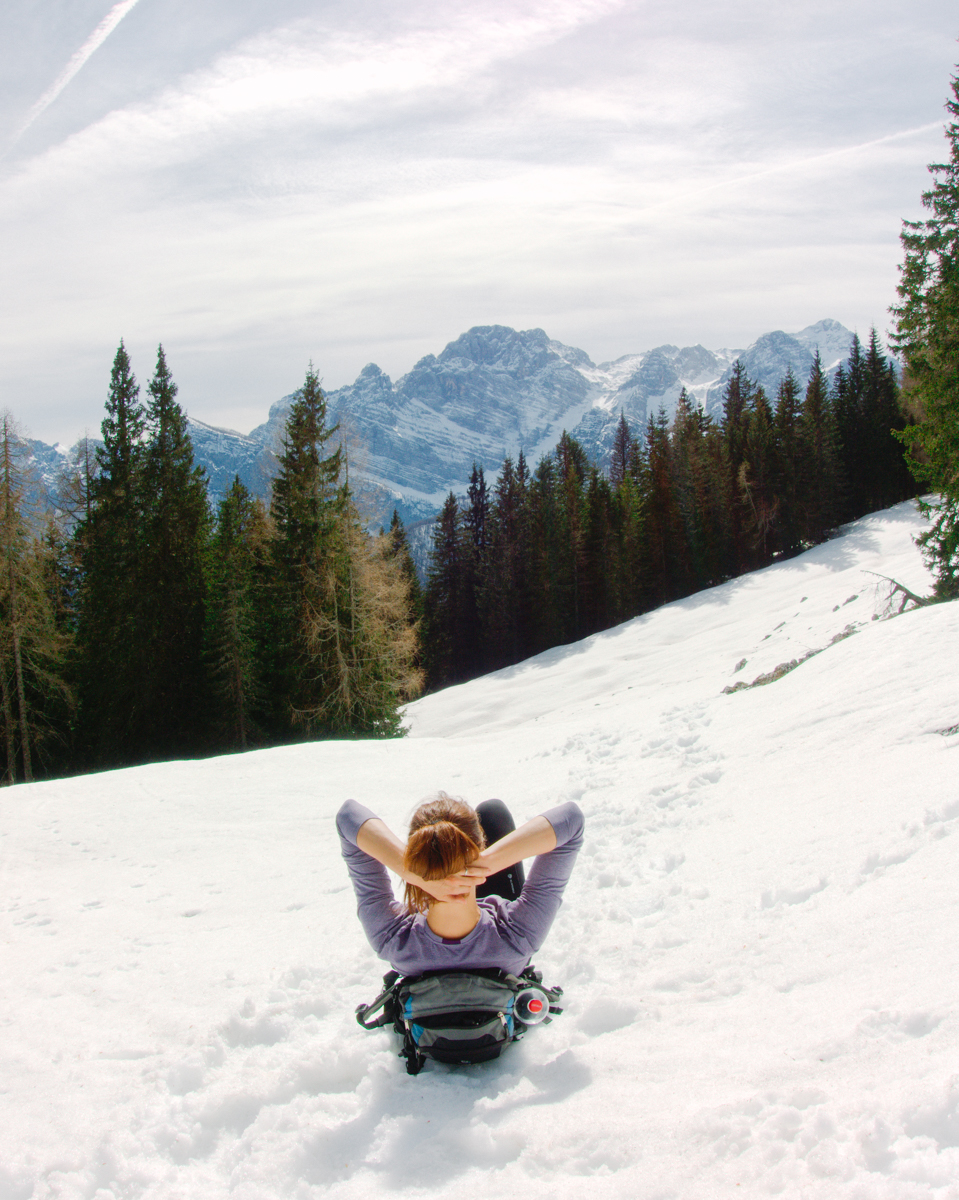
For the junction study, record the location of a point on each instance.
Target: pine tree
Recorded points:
(547, 553)
(927, 336)
(696, 452)
(506, 599)
(443, 600)
(399, 548)
(665, 545)
(476, 531)
(600, 573)
(107, 549)
(623, 448)
(307, 507)
(786, 435)
(886, 480)
(737, 407)
(526, 598)
(238, 562)
(572, 467)
(628, 527)
(820, 466)
(172, 700)
(849, 406)
(757, 483)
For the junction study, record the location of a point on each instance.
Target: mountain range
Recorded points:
(490, 393)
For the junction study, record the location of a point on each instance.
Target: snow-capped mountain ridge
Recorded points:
(492, 392)
(495, 391)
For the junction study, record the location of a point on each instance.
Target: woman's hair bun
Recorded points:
(445, 836)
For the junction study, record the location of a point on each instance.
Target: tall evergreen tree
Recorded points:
(737, 407)
(820, 467)
(699, 476)
(308, 504)
(887, 480)
(443, 600)
(109, 603)
(628, 521)
(571, 470)
(849, 407)
(665, 545)
(507, 598)
(788, 455)
(172, 696)
(238, 565)
(623, 448)
(547, 551)
(685, 440)
(476, 532)
(601, 606)
(927, 336)
(758, 483)
(399, 549)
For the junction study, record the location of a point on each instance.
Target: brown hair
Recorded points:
(445, 836)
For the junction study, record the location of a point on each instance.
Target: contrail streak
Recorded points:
(839, 152)
(92, 44)
(691, 196)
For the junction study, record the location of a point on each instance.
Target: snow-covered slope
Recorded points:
(758, 944)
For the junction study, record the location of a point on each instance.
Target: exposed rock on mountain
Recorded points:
(769, 357)
(226, 454)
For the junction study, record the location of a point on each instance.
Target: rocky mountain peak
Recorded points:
(500, 346)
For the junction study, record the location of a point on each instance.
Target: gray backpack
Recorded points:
(460, 1017)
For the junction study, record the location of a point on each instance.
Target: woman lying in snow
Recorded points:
(467, 904)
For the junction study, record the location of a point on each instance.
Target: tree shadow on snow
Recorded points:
(842, 552)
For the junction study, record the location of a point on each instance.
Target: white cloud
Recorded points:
(348, 194)
(308, 75)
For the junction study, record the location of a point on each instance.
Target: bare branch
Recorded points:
(908, 597)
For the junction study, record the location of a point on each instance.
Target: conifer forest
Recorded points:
(559, 550)
(141, 624)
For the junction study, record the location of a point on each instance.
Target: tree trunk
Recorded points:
(10, 775)
(21, 693)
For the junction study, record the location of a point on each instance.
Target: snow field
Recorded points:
(758, 944)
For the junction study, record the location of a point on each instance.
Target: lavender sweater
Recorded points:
(508, 931)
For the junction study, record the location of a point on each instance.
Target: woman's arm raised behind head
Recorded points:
(535, 837)
(376, 839)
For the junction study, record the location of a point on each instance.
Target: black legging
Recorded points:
(497, 822)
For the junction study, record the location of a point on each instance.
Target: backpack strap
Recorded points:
(415, 1062)
(365, 1011)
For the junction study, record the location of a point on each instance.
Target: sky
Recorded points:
(258, 185)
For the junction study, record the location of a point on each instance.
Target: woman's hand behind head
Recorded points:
(456, 887)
